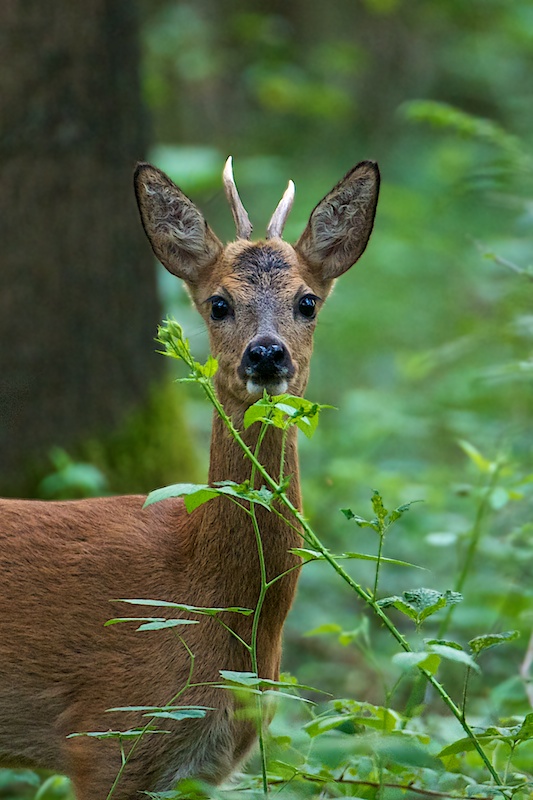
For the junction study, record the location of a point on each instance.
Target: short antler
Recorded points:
(240, 215)
(279, 217)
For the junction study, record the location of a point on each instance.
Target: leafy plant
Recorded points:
(387, 767)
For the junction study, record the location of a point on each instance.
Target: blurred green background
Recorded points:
(427, 342)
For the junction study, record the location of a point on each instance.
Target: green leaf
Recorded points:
(251, 679)
(193, 713)
(315, 555)
(152, 623)
(209, 368)
(167, 712)
(366, 714)
(243, 491)
(285, 410)
(148, 710)
(360, 521)
(322, 725)
(483, 464)
(526, 729)
(453, 654)
(183, 607)
(422, 660)
(306, 554)
(480, 643)
(54, 788)
(400, 511)
(460, 746)
(384, 519)
(421, 603)
(486, 736)
(242, 678)
(129, 734)
(196, 494)
(328, 627)
(446, 642)
(159, 624)
(379, 509)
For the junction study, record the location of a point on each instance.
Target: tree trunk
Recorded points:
(78, 305)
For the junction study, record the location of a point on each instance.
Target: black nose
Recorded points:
(266, 359)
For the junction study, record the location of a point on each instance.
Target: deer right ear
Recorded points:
(180, 237)
(340, 226)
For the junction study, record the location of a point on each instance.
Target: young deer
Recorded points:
(62, 563)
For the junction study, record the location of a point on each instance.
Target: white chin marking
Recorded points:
(257, 389)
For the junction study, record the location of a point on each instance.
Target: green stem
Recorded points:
(358, 589)
(257, 614)
(125, 758)
(282, 457)
(380, 549)
(465, 690)
(253, 650)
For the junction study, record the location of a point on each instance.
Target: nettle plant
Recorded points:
(482, 762)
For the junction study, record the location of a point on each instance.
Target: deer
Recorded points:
(63, 563)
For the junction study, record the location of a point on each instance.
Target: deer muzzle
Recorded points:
(266, 364)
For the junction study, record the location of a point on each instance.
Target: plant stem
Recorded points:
(282, 457)
(380, 549)
(125, 758)
(368, 598)
(257, 614)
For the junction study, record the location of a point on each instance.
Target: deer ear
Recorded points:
(180, 237)
(340, 226)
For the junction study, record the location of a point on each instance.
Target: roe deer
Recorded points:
(63, 562)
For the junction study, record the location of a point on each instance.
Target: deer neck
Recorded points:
(228, 462)
(227, 547)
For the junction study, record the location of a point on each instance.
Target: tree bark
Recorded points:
(78, 305)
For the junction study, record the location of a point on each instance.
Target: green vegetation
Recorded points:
(420, 738)
(420, 631)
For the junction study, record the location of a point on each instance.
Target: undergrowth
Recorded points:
(428, 745)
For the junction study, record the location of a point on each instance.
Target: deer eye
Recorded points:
(307, 305)
(220, 308)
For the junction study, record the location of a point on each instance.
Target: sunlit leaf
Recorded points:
(454, 654)
(424, 660)
(152, 623)
(196, 494)
(480, 643)
(483, 464)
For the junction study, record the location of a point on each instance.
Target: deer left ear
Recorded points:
(340, 226)
(180, 237)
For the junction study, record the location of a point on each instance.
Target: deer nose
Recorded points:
(274, 353)
(265, 360)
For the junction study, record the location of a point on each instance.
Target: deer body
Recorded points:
(62, 563)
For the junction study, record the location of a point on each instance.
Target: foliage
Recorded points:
(397, 745)
(425, 350)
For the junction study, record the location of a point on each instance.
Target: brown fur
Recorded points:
(63, 564)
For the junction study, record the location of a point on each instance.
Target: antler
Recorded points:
(242, 221)
(279, 217)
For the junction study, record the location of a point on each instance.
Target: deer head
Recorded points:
(260, 299)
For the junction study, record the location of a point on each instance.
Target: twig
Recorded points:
(376, 785)
(502, 262)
